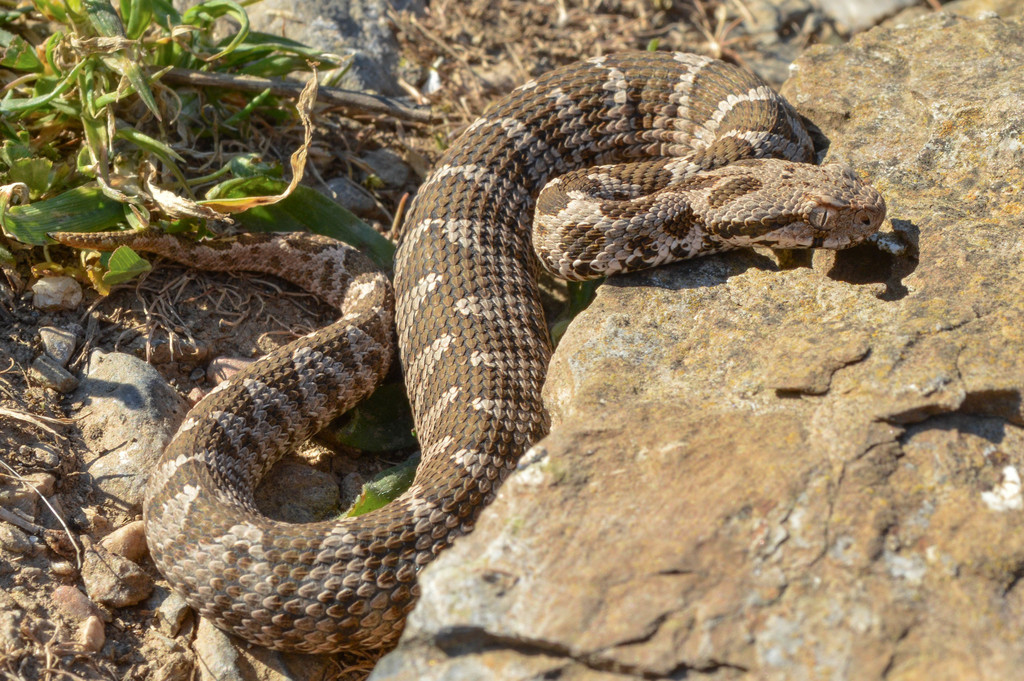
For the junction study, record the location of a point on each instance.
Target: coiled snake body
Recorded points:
(471, 330)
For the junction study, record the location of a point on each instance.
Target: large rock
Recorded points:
(808, 473)
(856, 15)
(130, 414)
(357, 29)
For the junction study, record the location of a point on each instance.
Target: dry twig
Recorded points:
(358, 101)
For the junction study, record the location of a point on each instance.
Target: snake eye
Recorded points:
(818, 217)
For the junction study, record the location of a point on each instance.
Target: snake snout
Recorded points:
(867, 219)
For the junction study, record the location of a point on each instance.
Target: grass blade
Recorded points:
(82, 209)
(104, 19)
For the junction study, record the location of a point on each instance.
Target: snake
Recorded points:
(611, 164)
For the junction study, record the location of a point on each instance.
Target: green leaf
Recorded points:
(82, 209)
(10, 16)
(94, 126)
(246, 111)
(50, 47)
(251, 165)
(266, 55)
(138, 14)
(124, 90)
(275, 65)
(385, 487)
(55, 10)
(10, 105)
(103, 18)
(305, 210)
(143, 141)
(13, 150)
(581, 294)
(257, 41)
(37, 173)
(165, 14)
(21, 56)
(205, 12)
(107, 24)
(129, 68)
(380, 423)
(137, 217)
(124, 265)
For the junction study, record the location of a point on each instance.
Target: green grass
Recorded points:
(93, 140)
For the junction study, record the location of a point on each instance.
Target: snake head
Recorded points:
(797, 205)
(845, 210)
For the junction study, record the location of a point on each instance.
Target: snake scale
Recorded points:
(714, 159)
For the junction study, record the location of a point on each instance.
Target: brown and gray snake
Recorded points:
(714, 160)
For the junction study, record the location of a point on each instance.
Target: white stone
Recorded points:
(56, 293)
(1006, 496)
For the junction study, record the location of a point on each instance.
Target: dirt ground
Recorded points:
(483, 48)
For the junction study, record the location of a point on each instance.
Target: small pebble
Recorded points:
(98, 523)
(223, 368)
(195, 395)
(91, 634)
(388, 166)
(218, 657)
(112, 580)
(348, 194)
(889, 242)
(63, 568)
(58, 343)
(56, 293)
(171, 614)
(30, 575)
(131, 416)
(178, 666)
(73, 603)
(13, 539)
(128, 541)
(45, 371)
(10, 629)
(60, 543)
(46, 455)
(21, 495)
(45, 483)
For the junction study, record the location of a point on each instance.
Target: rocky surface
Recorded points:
(112, 580)
(856, 15)
(799, 473)
(357, 29)
(972, 9)
(130, 414)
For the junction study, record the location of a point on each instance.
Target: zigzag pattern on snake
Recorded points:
(719, 161)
